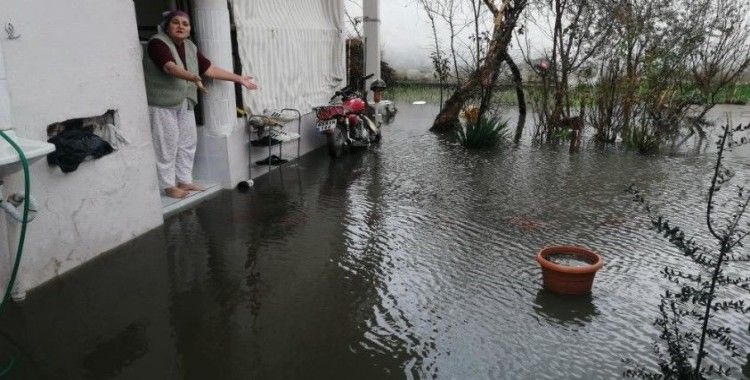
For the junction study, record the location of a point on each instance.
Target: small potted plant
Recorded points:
(568, 269)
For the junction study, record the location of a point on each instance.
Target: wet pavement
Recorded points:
(414, 259)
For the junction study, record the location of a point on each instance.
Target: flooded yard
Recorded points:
(414, 259)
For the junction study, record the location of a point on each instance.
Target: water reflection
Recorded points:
(565, 309)
(112, 355)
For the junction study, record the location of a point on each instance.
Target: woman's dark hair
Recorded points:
(167, 17)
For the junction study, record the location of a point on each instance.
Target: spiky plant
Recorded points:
(486, 132)
(685, 323)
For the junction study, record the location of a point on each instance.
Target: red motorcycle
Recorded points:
(345, 122)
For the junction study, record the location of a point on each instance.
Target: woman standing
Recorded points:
(173, 67)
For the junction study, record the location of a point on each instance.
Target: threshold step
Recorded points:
(171, 206)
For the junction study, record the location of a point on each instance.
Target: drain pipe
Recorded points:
(371, 20)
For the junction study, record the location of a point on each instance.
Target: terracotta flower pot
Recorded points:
(566, 279)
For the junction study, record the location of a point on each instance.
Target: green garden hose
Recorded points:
(19, 251)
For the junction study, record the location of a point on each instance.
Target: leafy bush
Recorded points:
(486, 132)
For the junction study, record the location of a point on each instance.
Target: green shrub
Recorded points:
(484, 133)
(642, 140)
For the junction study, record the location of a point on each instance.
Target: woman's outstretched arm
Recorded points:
(215, 72)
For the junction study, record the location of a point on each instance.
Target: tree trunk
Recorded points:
(502, 31)
(518, 83)
(487, 92)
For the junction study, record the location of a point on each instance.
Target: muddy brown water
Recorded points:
(414, 259)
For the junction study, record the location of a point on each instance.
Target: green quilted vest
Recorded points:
(164, 90)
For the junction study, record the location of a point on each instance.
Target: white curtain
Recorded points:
(293, 48)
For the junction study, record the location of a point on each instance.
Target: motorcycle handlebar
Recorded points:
(347, 90)
(364, 79)
(337, 93)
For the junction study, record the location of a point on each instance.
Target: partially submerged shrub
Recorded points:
(687, 319)
(561, 134)
(642, 140)
(484, 133)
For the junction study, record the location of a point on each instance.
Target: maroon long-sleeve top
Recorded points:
(159, 52)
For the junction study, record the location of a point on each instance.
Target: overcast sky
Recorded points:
(406, 34)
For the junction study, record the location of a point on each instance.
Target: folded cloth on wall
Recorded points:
(112, 135)
(72, 146)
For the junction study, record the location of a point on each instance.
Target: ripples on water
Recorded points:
(415, 259)
(447, 239)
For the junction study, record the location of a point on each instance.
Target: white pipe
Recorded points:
(5, 119)
(371, 19)
(18, 293)
(14, 207)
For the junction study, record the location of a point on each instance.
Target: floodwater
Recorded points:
(414, 259)
(569, 260)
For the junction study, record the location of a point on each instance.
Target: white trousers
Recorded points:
(174, 133)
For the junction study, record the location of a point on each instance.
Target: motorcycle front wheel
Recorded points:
(336, 142)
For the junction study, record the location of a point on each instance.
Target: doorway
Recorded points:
(148, 16)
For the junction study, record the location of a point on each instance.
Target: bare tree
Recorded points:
(354, 21)
(449, 16)
(433, 10)
(476, 12)
(505, 15)
(724, 52)
(578, 30)
(520, 97)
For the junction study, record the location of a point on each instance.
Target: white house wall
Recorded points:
(80, 58)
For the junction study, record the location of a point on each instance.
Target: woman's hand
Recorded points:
(199, 83)
(247, 82)
(216, 72)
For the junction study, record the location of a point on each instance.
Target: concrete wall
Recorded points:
(79, 58)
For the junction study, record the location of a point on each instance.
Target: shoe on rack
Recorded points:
(271, 160)
(278, 134)
(271, 113)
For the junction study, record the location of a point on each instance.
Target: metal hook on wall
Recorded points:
(10, 29)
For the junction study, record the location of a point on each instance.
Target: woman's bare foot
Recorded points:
(191, 187)
(175, 192)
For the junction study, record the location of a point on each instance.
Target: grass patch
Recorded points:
(739, 94)
(411, 92)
